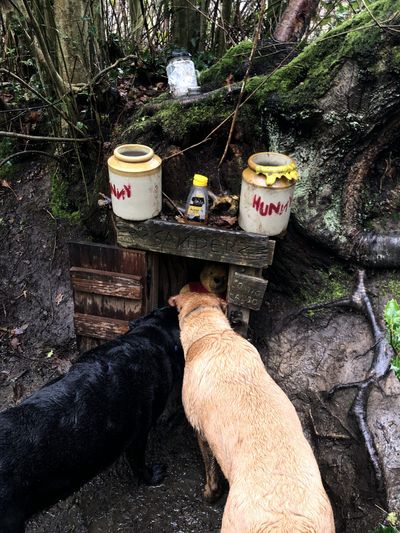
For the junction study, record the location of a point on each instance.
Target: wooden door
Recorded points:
(111, 286)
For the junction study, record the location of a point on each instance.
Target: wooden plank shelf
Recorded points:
(235, 247)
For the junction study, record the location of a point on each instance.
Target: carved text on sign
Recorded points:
(197, 243)
(200, 242)
(247, 291)
(270, 209)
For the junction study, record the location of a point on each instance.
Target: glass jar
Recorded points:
(181, 74)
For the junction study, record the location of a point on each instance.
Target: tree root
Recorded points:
(379, 368)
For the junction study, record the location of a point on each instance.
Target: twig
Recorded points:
(4, 161)
(39, 95)
(49, 213)
(100, 74)
(371, 14)
(246, 77)
(42, 138)
(172, 203)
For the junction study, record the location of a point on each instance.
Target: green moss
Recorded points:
(59, 204)
(393, 286)
(7, 148)
(310, 74)
(395, 59)
(231, 63)
(177, 123)
(331, 285)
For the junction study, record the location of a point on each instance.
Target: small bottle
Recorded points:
(197, 203)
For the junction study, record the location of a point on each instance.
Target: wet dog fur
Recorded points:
(250, 426)
(75, 426)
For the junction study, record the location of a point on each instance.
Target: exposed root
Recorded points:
(380, 366)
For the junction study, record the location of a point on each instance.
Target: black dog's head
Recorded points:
(166, 316)
(162, 321)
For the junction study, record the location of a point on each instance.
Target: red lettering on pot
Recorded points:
(275, 208)
(125, 192)
(271, 208)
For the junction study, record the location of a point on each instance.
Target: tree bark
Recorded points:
(223, 27)
(73, 39)
(295, 20)
(186, 24)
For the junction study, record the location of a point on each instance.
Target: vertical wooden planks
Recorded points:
(111, 286)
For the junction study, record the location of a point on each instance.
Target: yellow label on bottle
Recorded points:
(196, 210)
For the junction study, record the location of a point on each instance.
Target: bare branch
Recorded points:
(42, 138)
(17, 154)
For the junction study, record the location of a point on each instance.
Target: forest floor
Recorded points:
(305, 355)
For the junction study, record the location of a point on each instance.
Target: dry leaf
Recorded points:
(14, 342)
(59, 298)
(61, 365)
(18, 391)
(7, 184)
(19, 331)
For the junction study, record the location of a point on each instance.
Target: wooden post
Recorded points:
(246, 290)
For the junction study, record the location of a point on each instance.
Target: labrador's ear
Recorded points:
(223, 305)
(172, 301)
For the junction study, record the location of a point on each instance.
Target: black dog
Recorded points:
(75, 426)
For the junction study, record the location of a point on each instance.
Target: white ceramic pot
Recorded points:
(266, 193)
(135, 182)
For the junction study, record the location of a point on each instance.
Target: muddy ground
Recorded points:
(306, 355)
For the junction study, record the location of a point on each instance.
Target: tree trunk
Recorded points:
(295, 20)
(73, 39)
(223, 27)
(186, 25)
(135, 11)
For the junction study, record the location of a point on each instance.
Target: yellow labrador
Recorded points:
(251, 427)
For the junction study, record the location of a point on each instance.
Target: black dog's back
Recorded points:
(72, 428)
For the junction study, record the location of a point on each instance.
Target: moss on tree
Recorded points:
(177, 124)
(309, 76)
(231, 63)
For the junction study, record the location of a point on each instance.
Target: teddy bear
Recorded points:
(213, 278)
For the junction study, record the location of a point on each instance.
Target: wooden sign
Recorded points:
(247, 291)
(199, 242)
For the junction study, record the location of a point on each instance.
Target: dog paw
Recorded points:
(154, 474)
